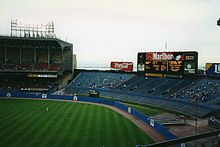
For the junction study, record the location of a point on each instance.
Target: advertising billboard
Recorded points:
(122, 66)
(212, 69)
(169, 64)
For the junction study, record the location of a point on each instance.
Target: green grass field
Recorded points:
(146, 110)
(27, 123)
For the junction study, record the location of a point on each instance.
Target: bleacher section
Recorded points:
(162, 92)
(204, 90)
(98, 79)
(153, 86)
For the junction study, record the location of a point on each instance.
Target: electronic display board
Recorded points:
(212, 69)
(169, 64)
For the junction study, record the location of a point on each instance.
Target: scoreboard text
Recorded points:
(169, 64)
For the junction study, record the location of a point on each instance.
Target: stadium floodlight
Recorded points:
(218, 22)
(24, 29)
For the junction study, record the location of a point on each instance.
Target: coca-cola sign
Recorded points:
(122, 66)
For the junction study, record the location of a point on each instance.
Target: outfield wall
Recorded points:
(146, 119)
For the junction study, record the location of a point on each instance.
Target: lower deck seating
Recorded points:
(162, 92)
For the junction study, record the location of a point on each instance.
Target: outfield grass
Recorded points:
(27, 123)
(146, 110)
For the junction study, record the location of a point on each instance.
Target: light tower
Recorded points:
(24, 29)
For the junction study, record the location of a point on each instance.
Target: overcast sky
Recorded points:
(102, 31)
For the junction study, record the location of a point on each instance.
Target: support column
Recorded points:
(48, 55)
(20, 54)
(5, 55)
(35, 55)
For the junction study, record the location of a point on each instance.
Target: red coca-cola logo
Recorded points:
(123, 66)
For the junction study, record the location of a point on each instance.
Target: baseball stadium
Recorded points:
(47, 101)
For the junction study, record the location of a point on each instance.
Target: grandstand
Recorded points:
(34, 64)
(169, 80)
(175, 94)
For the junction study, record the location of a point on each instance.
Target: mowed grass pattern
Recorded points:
(27, 123)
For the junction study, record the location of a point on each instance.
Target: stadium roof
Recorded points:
(9, 40)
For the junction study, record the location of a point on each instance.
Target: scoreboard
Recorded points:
(168, 64)
(213, 70)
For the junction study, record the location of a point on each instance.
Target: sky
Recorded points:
(102, 31)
